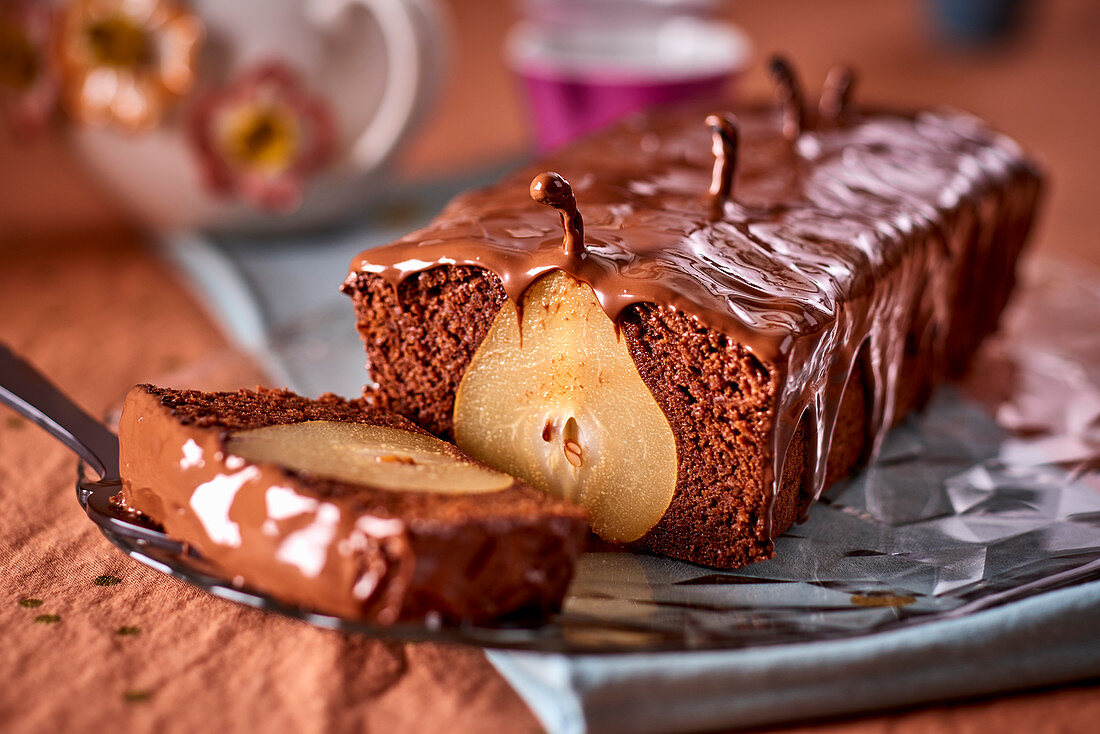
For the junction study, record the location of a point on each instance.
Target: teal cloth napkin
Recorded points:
(1050, 638)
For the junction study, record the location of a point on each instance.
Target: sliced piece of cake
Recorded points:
(342, 508)
(743, 302)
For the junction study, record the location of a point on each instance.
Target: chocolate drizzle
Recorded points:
(838, 247)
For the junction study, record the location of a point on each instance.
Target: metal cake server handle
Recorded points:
(28, 392)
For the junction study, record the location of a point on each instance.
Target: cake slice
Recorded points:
(732, 311)
(344, 509)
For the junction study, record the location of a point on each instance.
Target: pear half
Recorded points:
(378, 456)
(557, 401)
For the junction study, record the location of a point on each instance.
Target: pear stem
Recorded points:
(789, 93)
(553, 190)
(836, 94)
(724, 138)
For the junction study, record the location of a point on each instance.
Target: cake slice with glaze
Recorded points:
(344, 509)
(742, 303)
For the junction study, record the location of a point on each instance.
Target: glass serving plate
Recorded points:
(990, 495)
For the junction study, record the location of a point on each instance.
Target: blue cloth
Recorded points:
(1046, 639)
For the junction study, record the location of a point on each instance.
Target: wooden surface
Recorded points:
(81, 298)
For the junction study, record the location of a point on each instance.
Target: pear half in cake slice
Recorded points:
(553, 396)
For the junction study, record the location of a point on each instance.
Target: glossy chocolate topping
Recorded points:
(828, 242)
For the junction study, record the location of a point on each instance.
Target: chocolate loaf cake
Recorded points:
(342, 508)
(742, 304)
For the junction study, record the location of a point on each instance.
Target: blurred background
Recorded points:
(1034, 76)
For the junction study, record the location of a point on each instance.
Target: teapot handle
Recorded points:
(412, 34)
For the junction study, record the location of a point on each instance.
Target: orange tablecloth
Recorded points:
(96, 642)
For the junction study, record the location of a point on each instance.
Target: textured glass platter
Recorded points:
(992, 494)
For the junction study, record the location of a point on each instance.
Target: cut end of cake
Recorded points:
(344, 509)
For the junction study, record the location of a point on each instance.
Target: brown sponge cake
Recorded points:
(441, 538)
(786, 289)
(719, 432)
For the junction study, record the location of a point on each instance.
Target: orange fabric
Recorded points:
(139, 651)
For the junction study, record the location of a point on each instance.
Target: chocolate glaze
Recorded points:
(332, 546)
(833, 238)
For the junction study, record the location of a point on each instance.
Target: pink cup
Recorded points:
(580, 79)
